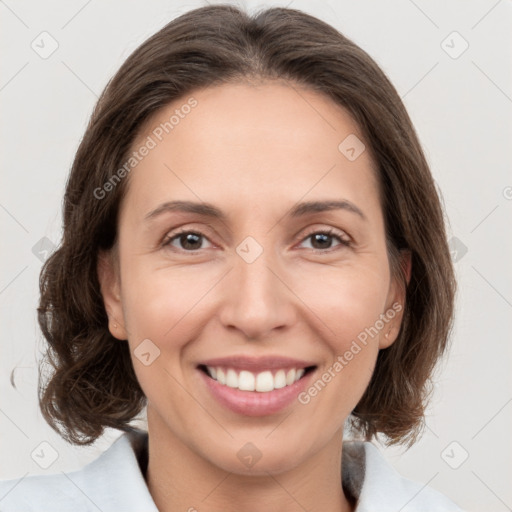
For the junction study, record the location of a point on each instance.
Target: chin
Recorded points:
(256, 458)
(270, 463)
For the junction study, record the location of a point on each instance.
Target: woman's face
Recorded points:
(263, 290)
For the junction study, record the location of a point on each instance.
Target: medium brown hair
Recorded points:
(92, 384)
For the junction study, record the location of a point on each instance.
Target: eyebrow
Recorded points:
(209, 210)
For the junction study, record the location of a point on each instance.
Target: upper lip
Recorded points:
(255, 364)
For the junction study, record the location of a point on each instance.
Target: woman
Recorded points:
(254, 249)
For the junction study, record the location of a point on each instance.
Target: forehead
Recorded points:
(262, 144)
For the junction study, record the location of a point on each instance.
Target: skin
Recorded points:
(254, 151)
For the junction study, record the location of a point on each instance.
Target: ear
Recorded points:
(395, 305)
(108, 277)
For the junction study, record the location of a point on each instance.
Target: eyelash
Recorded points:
(328, 232)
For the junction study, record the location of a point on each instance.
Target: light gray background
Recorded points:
(462, 108)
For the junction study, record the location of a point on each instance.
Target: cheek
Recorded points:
(347, 300)
(346, 306)
(161, 306)
(158, 302)
(349, 312)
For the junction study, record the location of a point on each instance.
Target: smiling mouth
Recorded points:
(261, 382)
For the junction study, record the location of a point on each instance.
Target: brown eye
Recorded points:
(186, 241)
(323, 240)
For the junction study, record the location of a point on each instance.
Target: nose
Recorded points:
(258, 300)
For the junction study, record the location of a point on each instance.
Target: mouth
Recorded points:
(261, 382)
(255, 387)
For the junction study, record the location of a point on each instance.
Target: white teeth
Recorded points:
(290, 377)
(231, 379)
(221, 377)
(280, 379)
(262, 382)
(246, 381)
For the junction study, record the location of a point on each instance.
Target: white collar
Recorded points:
(115, 482)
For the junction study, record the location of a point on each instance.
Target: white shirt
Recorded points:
(114, 482)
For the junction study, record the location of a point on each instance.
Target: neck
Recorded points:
(178, 478)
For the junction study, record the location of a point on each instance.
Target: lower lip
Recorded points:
(254, 403)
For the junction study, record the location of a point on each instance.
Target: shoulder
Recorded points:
(112, 482)
(378, 486)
